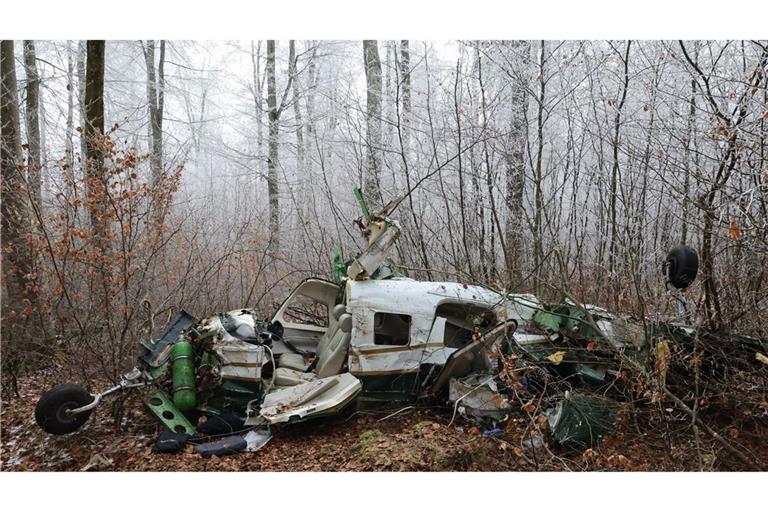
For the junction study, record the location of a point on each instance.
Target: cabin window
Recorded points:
(456, 336)
(391, 329)
(306, 311)
(463, 322)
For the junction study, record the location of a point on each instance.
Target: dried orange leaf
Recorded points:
(734, 231)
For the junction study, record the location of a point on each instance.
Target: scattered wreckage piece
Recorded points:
(257, 439)
(98, 463)
(220, 447)
(382, 234)
(580, 420)
(477, 396)
(562, 337)
(314, 398)
(170, 442)
(169, 415)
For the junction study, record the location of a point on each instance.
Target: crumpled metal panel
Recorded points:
(580, 420)
(478, 396)
(384, 233)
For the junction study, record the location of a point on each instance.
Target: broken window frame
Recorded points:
(307, 318)
(454, 321)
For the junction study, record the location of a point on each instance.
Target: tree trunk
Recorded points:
(34, 161)
(69, 147)
(156, 101)
(615, 177)
(81, 57)
(272, 159)
(373, 120)
(258, 102)
(389, 97)
(309, 121)
(691, 153)
(93, 131)
(538, 197)
(488, 257)
(403, 116)
(457, 110)
(515, 179)
(301, 174)
(405, 73)
(18, 284)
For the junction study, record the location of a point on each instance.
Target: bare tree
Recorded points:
(301, 174)
(616, 174)
(372, 62)
(69, 149)
(728, 118)
(156, 102)
(258, 101)
(94, 144)
(405, 79)
(538, 173)
(81, 58)
(19, 295)
(514, 159)
(275, 110)
(34, 162)
(274, 132)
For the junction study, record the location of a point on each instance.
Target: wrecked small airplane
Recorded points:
(369, 338)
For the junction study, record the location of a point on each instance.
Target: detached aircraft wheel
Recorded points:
(51, 412)
(682, 265)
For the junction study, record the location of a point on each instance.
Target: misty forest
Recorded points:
(141, 178)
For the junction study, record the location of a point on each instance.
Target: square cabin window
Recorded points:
(391, 329)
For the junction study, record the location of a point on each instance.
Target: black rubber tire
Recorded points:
(50, 412)
(682, 265)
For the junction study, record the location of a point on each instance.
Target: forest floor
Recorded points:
(416, 440)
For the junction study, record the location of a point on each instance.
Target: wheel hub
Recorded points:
(63, 413)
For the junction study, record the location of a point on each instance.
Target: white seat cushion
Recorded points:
(287, 377)
(292, 361)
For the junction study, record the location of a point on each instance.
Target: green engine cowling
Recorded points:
(183, 371)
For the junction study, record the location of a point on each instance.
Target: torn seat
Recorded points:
(297, 361)
(331, 354)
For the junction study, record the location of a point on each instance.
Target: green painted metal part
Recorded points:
(581, 420)
(205, 335)
(362, 203)
(382, 390)
(565, 317)
(232, 396)
(183, 371)
(159, 372)
(168, 414)
(548, 320)
(338, 266)
(209, 359)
